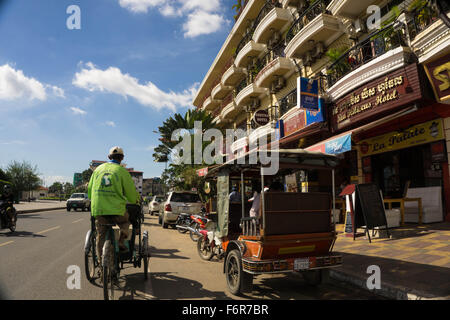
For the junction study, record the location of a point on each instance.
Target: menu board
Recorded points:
(369, 209)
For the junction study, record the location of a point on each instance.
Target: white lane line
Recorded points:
(4, 244)
(44, 231)
(78, 220)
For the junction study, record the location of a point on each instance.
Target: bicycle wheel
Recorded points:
(194, 235)
(12, 224)
(90, 259)
(108, 271)
(145, 253)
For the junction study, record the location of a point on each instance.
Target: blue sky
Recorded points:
(67, 96)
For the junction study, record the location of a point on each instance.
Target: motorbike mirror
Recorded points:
(207, 188)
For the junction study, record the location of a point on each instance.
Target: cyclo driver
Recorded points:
(110, 189)
(7, 198)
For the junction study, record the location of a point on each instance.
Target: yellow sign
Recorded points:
(420, 134)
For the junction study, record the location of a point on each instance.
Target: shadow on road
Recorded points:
(29, 216)
(165, 285)
(165, 253)
(21, 234)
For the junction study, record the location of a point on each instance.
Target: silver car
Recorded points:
(153, 205)
(178, 202)
(79, 201)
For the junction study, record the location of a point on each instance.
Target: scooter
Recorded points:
(183, 222)
(198, 223)
(209, 245)
(8, 215)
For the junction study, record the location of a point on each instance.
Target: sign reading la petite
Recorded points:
(420, 134)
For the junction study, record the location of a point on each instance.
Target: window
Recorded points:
(185, 197)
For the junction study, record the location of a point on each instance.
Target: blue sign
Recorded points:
(339, 145)
(279, 130)
(313, 116)
(308, 93)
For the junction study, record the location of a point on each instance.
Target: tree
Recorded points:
(68, 189)
(181, 176)
(56, 188)
(23, 176)
(86, 175)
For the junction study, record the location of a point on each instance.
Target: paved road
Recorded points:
(36, 257)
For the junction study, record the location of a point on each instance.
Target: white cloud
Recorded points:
(15, 85)
(203, 16)
(17, 142)
(49, 180)
(110, 124)
(79, 111)
(201, 22)
(112, 80)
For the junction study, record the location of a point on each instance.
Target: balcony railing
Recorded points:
(227, 100)
(241, 86)
(242, 7)
(246, 39)
(421, 19)
(376, 45)
(270, 4)
(288, 102)
(315, 9)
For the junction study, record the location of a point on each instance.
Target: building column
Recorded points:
(446, 170)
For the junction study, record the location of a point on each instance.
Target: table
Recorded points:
(402, 207)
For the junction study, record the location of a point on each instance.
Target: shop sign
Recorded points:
(438, 72)
(438, 153)
(202, 172)
(386, 93)
(308, 93)
(302, 118)
(427, 132)
(261, 117)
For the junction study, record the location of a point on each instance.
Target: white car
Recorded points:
(79, 201)
(153, 205)
(178, 202)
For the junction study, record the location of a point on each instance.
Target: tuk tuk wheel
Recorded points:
(238, 281)
(313, 277)
(204, 249)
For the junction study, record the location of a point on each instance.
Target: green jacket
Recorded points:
(110, 189)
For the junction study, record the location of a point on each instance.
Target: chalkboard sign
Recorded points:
(369, 209)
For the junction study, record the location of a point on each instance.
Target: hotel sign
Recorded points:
(438, 72)
(423, 133)
(376, 98)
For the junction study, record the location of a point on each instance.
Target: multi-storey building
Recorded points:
(382, 68)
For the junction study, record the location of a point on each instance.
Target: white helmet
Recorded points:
(115, 150)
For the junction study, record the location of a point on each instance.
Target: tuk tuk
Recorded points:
(294, 231)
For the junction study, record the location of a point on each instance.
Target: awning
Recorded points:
(342, 142)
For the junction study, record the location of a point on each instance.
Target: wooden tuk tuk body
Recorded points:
(295, 231)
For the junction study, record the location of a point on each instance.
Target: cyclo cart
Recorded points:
(294, 231)
(112, 260)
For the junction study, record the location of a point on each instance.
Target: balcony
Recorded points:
(272, 17)
(272, 66)
(230, 111)
(349, 8)
(246, 94)
(209, 104)
(233, 75)
(383, 52)
(428, 34)
(313, 25)
(220, 91)
(250, 50)
(290, 3)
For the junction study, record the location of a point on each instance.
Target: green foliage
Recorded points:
(23, 176)
(416, 4)
(335, 53)
(86, 175)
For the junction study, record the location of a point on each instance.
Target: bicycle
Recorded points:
(112, 259)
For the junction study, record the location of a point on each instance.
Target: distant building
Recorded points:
(152, 186)
(77, 179)
(40, 192)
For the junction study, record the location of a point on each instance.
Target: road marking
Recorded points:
(54, 228)
(78, 220)
(4, 244)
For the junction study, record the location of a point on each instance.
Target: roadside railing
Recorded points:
(376, 45)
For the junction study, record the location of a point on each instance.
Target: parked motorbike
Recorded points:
(183, 222)
(8, 215)
(209, 245)
(199, 223)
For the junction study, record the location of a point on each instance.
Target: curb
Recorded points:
(38, 210)
(387, 290)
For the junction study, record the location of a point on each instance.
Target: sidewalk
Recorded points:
(39, 205)
(414, 262)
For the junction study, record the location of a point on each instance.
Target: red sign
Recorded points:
(295, 123)
(202, 172)
(438, 73)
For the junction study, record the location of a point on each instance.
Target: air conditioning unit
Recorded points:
(319, 50)
(254, 103)
(359, 27)
(280, 83)
(308, 59)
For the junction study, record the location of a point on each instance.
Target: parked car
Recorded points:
(153, 205)
(79, 201)
(176, 203)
